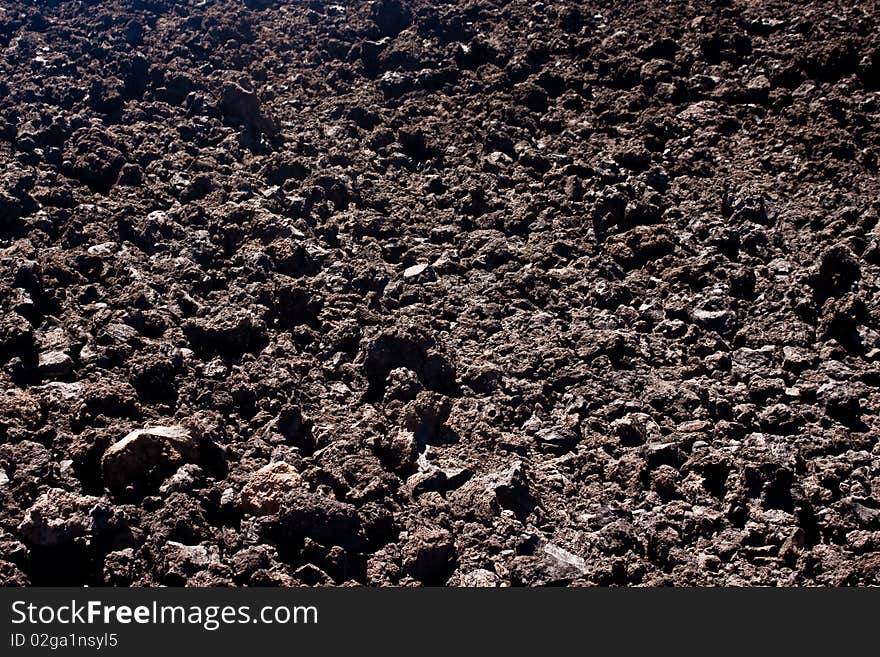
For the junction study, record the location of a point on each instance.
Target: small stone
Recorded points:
(427, 480)
(796, 359)
(394, 83)
(867, 516)
(498, 159)
(557, 440)
(666, 453)
(551, 565)
(747, 361)
(266, 488)
(197, 555)
(119, 567)
(664, 481)
(145, 455)
(722, 321)
(840, 400)
(417, 271)
(21, 302)
(311, 575)
(249, 560)
(792, 546)
(402, 451)
(402, 384)
(748, 204)
(487, 496)
(758, 88)
(102, 249)
(16, 334)
(66, 391)
(564, 561)
(189, 476)
(182, 562)
(227, 498)
(54, 364)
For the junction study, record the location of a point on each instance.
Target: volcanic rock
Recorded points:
(147, 456)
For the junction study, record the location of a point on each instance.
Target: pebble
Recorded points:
(415, 270)
(54, 364)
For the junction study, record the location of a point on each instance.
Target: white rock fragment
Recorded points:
(415, 270)
(565, 564)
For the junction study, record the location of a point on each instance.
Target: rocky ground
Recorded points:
(474, 292)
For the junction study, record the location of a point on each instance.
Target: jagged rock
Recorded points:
(266, 488)
(721, 321)
(192, 565)
(550, 565)
(486, 496)
(119, 567)
(187, 477)
(429, 555)
(54, 364)
(635, 429)
(59, 517)
(147, 456)
(479, 578)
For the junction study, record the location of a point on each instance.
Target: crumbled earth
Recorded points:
(411, 292)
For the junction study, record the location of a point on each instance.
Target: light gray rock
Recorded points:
(564, 563)
(480, 578)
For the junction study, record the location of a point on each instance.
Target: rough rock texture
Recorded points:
(56, 518)
(485, 292)
(267, 486)
(146, 454)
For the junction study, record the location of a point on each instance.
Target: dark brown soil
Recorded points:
(506, 292)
